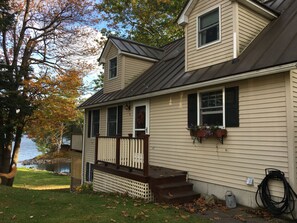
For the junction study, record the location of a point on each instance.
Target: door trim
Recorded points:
(147, 119)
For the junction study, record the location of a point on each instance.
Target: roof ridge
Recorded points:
(167, 44)
(133, 41)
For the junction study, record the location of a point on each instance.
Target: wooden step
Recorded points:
(174, 187)
(178, 197)
(168, 179)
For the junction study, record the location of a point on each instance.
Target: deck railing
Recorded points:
(128, 151)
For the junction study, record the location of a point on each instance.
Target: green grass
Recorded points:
(40, 180)
(51, 206)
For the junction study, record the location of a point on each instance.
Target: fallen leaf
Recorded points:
(125, 214)
(112, 220)
(184, 216)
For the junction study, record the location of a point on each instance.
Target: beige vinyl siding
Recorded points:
(216, 53)
(127, 121)
(260, 142)
(134, 67)
(114, 84)
(294, 106)
(250, 25)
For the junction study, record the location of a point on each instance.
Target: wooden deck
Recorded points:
(154, 173)
(167, 185)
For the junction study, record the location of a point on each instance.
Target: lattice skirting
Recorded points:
(105, 182)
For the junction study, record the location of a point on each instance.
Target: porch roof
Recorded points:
(274, 46)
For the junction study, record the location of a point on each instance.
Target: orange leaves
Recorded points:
(56, 107)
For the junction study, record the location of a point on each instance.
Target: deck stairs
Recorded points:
(172, 187)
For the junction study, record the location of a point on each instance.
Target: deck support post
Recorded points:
(145, 155)
(96, 148)
(118, 150)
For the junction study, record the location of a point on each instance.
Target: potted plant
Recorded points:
(203, 132)
(219, 133)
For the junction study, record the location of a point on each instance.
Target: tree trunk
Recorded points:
(15, 153)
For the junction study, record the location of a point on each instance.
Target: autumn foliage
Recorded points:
(56, 110)
(42, 42)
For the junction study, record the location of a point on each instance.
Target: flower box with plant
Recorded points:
(200, 132)
(219, 133)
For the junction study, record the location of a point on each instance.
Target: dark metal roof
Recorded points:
(275, 45)
(136, 48)
(277, 5)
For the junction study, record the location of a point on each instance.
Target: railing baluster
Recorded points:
(123, 151)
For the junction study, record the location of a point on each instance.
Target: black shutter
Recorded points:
(89, 123)
(192, 110)
(232, 107)
(91, 172)
(120, 120)
(87, 171)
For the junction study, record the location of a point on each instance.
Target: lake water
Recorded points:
(29, 150)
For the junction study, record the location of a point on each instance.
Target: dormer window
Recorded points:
(113, 63)
(208, 27)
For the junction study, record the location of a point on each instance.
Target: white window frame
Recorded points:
(197, 27)
(111, 78)
(198, 104)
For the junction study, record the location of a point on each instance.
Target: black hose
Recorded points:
(286, 204)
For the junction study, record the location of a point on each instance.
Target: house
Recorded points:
(235, 68)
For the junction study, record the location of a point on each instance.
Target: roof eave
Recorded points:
(183, 17)
(260, 8)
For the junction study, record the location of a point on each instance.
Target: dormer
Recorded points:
(217, 31)
(124, 60)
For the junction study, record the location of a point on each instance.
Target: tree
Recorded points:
(150, 22)
(56, 113)
(37, 45)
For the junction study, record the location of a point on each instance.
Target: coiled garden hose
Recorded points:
(284, 205)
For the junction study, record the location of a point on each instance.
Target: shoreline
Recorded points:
(42, 161)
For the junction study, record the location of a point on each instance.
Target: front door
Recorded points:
(141, 121)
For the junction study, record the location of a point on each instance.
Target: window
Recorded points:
(114, 121)
(113, 63)
(89, 172)
(93, 123)
(209, 27)
(211, 108)
(217, 107)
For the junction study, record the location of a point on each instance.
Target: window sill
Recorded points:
(208, 45)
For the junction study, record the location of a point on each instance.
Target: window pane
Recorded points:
(95, 128)
(211, 108)
(140, 117)
(209, 35)
(209, 19)
(208, 27)
(212, 119)
(112, 122)
(113, 68)
(95, 123)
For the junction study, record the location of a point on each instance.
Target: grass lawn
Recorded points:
(25, 204)
(40, 180)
